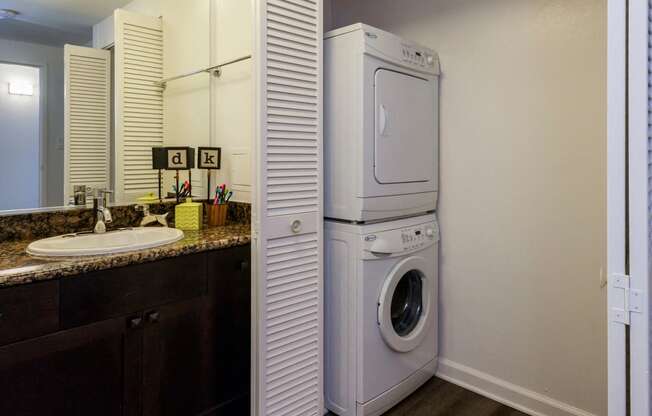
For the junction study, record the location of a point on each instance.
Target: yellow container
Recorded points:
(188, 216)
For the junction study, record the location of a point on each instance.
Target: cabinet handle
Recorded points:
(244, 266)
(1, 315)
(153, 317)
(135, 322)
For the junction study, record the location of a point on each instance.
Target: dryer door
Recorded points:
(405, 128)
(405, 309)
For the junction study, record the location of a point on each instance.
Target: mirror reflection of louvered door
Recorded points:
(87, 113)
(287, 225)
(138, 52)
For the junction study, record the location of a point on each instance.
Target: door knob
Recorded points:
(135, 322)
(296, 226)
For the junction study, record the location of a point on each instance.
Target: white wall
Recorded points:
(232, 94)
(522, 204)
(50, 58)
(20, 139)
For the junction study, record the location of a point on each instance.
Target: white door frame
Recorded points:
(629, 207)
(638, 98)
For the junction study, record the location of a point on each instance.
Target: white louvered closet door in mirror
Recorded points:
(138, 102)
(287, 226)
(87, 118)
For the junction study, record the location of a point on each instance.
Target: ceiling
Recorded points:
(55, 22)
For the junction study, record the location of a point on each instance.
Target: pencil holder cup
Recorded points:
(217, 214)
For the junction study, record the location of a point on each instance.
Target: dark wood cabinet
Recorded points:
(74, 372)
(172, 359)
(227, 318)
(176, 346)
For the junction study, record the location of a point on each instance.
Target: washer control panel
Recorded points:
(403, 240)
(418, 236)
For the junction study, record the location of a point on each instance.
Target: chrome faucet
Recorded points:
(149, 218)
(102, 213)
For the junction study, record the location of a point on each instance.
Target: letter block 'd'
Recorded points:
(180, 158)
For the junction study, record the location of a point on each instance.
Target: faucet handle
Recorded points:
(100, 194)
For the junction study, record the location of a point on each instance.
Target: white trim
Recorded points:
(258, 76)
(504, 392)
(616, 185)
(638, 115)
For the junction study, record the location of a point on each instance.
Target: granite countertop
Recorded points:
(17, 267)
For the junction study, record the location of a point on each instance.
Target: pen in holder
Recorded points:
(217, 208)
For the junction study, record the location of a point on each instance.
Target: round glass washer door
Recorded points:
(405, 310)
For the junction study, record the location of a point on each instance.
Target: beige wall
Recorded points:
(522, 206)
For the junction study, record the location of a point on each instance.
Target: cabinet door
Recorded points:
(173, 348)
(83, 371)
(227, 318)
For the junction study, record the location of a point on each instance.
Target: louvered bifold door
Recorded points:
(287, 228)
(138, 102)
(87, 118)
(640, 204)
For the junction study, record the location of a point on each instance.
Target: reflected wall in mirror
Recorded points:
(82, 97)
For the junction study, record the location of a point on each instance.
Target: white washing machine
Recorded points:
(380, 312)
(380, 125)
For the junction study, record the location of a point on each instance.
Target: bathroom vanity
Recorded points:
(157, 332)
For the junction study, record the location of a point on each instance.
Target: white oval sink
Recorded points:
(107, 243)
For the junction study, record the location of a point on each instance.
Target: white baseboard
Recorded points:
(504, 392)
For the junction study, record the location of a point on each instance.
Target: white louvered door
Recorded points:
(138, 102)
(87, 118)
(640, 203)
(287, 228)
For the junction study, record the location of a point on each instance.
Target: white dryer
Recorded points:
(381, 312)
(380, 125)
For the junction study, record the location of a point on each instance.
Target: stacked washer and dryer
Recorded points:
(381, 233)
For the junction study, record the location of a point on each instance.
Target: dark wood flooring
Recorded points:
(440, 398)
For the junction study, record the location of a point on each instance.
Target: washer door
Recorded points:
(405, 310)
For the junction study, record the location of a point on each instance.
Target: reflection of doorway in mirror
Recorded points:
(20, 136)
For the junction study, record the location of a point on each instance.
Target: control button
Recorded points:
(430, 59)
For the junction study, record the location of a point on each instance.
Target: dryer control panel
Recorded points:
(417, 56)
(401, 51)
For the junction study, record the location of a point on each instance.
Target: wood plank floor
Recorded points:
(440, 398)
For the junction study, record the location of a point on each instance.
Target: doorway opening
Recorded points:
(21, 137)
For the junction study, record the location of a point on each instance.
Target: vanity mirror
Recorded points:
(88, 88)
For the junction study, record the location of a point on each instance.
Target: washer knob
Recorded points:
(430, 59)
(430, 232)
